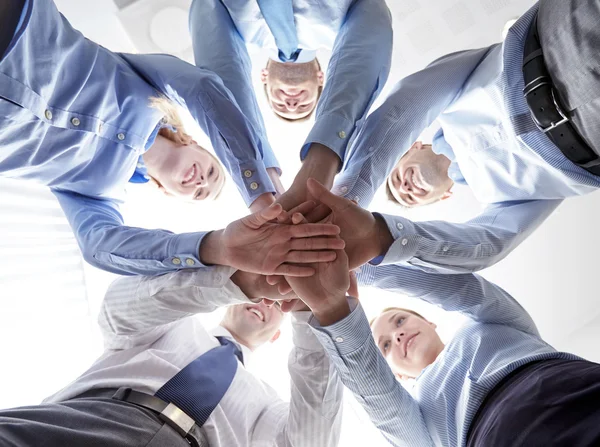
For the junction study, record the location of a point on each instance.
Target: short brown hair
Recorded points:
(305, 118)
(402, 309)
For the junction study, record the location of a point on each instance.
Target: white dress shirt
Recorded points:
(151, 332)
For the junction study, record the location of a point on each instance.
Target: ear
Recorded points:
(320, 77)
(275, 336)
(446, 195)
(433, 325)
(401, 376)
(264, 75)
(418, 145)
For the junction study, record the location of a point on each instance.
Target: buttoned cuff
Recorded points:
(184, 251)
(354, 188)
(406, 240)
(347, 335)
(333, 131)
(255, 181)
(302, 334)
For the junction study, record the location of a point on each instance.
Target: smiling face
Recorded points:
(408, 342)
(420, 177)
(187, 171)
(253, 324)
(292, 89)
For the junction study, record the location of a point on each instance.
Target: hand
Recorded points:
(320, 163)
(263, 201)
(325, 291)
(366, 237)
(256, 288)
(255, 245)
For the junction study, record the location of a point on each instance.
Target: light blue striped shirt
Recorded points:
(500, 337)
(359, 33)
(76, 117)
(488, 133)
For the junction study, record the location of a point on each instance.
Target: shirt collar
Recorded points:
(220, 331)
(303, 57)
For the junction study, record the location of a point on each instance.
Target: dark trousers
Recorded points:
(87, 422)
(552, 403)
(10, 13)
(570, 37)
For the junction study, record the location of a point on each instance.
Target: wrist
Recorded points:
(211, 249)
(320, 163)
(333, 312)
(262, 202)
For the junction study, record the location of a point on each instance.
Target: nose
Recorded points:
(201, 180)
(398, 337)
(405, 186)
(292, 104)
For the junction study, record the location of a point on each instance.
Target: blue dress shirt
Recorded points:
(78, 119)
(487, 132)
(500, 338)
(359, 33)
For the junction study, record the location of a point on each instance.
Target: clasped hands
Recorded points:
(306, 253)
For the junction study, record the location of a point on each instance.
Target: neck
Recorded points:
(154, 156)
(237, 337)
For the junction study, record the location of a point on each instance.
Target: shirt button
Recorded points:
(163, 120)
(399, 226)
(176, 261)
(445, 248)
(357, 199)
(48, 114)
(190, 261)
(253, 186)
(342, 134)
(121, 136)
(75, 121)
(339, 339)
(404, 241)
(140, 165)
(247, 173)
(344, 189)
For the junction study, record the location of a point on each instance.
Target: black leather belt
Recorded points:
(167, 412)
(546, 109)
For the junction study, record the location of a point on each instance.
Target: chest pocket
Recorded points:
(12, 112)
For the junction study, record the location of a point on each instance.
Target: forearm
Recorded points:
(365, 372)
(356, 73)
(315, 414)
(446, 247)
(321, 163)
(136, 308)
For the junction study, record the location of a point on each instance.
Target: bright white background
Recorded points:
(47, 327)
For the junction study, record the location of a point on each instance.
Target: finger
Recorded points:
(284, 288)
(318, 214)
(305, 257)
(267, 302)
(274, 279)
(326, 197)
(317, 243)
(261, 217)
(298, 218)
(353, 289)
(288, 305)
(311, 230)
(304, 208)
(295, 270)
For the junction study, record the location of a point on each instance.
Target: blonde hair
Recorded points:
(172, 118)
(401, 309)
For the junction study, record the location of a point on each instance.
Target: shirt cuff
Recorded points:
(255, 180)
(302, 335)
(347, 335)
(185, 249)
(406, 241)
(333, 131)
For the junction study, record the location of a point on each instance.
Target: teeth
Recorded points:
(192, 174)
(258, 313)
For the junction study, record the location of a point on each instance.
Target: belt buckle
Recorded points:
(178, 419)
(534, 85)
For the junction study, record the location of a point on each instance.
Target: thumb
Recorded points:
(326, 197)
(261, 217)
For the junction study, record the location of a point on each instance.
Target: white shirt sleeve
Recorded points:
(139, 309)
(314, 415)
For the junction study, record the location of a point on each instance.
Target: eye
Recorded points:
(385, 347)
(399, 321)
(211, 171)
(198, 195)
